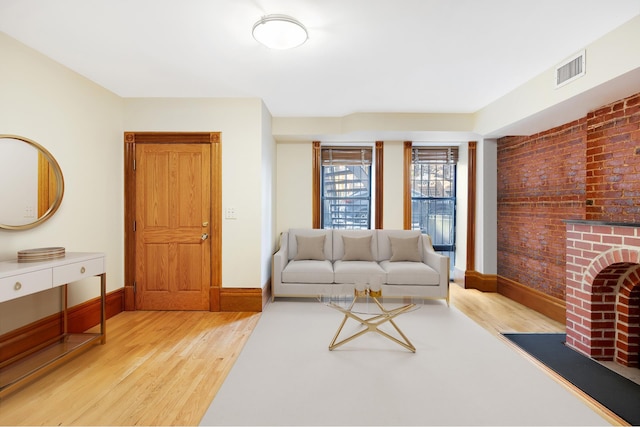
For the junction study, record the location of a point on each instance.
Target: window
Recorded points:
(346, 188)
(432, 184)
(347, 196)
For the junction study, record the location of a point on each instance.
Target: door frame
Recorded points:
(130, 141)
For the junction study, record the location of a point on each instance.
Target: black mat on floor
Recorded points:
(620, 395)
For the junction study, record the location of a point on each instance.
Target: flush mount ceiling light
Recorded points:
(279, 32)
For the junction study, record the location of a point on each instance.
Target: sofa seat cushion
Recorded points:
(352, 271)
(308, 271)
(410, 273)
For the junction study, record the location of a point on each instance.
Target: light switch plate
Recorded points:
(230, 213)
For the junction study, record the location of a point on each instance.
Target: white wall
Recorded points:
(462, 188)
(80, 123)
(294, 185)
(487, 206)
(375, 127)
(393, 185)
(243, 124)
(268, 186)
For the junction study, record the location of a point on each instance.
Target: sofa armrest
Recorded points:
(280, 261)
(438, 262)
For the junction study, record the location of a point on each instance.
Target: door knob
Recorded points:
(204, 236)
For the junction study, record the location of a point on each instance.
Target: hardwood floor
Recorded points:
(157, 368)
(498, 314)
(164, 368)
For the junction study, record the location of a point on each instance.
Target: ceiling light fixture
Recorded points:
(280, 32)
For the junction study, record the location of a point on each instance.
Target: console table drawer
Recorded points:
(13, 287)
(77, 271)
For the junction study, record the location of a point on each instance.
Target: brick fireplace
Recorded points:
(603, 290)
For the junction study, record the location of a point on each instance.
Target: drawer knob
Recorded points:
(17, 286)
(82, 270)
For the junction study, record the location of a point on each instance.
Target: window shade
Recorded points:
(446, 155)
(346, 156)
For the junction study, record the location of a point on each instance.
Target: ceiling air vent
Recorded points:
(570, 69)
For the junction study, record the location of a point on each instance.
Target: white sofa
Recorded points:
(310, 261)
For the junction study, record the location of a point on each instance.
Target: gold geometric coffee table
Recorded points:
(366, 308)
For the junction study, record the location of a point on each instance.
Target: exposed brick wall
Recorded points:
(613, 162)
(541, 181)
(586, 169)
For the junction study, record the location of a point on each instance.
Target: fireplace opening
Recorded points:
(610, 322)
(603, 291)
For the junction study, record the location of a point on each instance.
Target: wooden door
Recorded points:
(173, 212)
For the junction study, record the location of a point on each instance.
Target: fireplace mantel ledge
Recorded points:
(589, 222)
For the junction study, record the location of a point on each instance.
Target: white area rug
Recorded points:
(460, 375)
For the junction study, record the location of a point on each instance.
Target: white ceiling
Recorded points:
(447, 56)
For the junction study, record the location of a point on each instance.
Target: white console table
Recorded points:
(18, 279)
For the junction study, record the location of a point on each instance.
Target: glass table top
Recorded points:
(364, 300)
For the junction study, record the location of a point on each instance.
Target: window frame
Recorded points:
(408, 199)
(376, 183)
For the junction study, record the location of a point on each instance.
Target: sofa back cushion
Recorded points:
(310, 248)
(357, 248)
(403, 250)
(355, 245)
(309, 240)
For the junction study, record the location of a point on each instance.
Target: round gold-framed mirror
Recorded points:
(31, 183)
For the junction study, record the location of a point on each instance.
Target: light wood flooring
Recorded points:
(164, 368)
